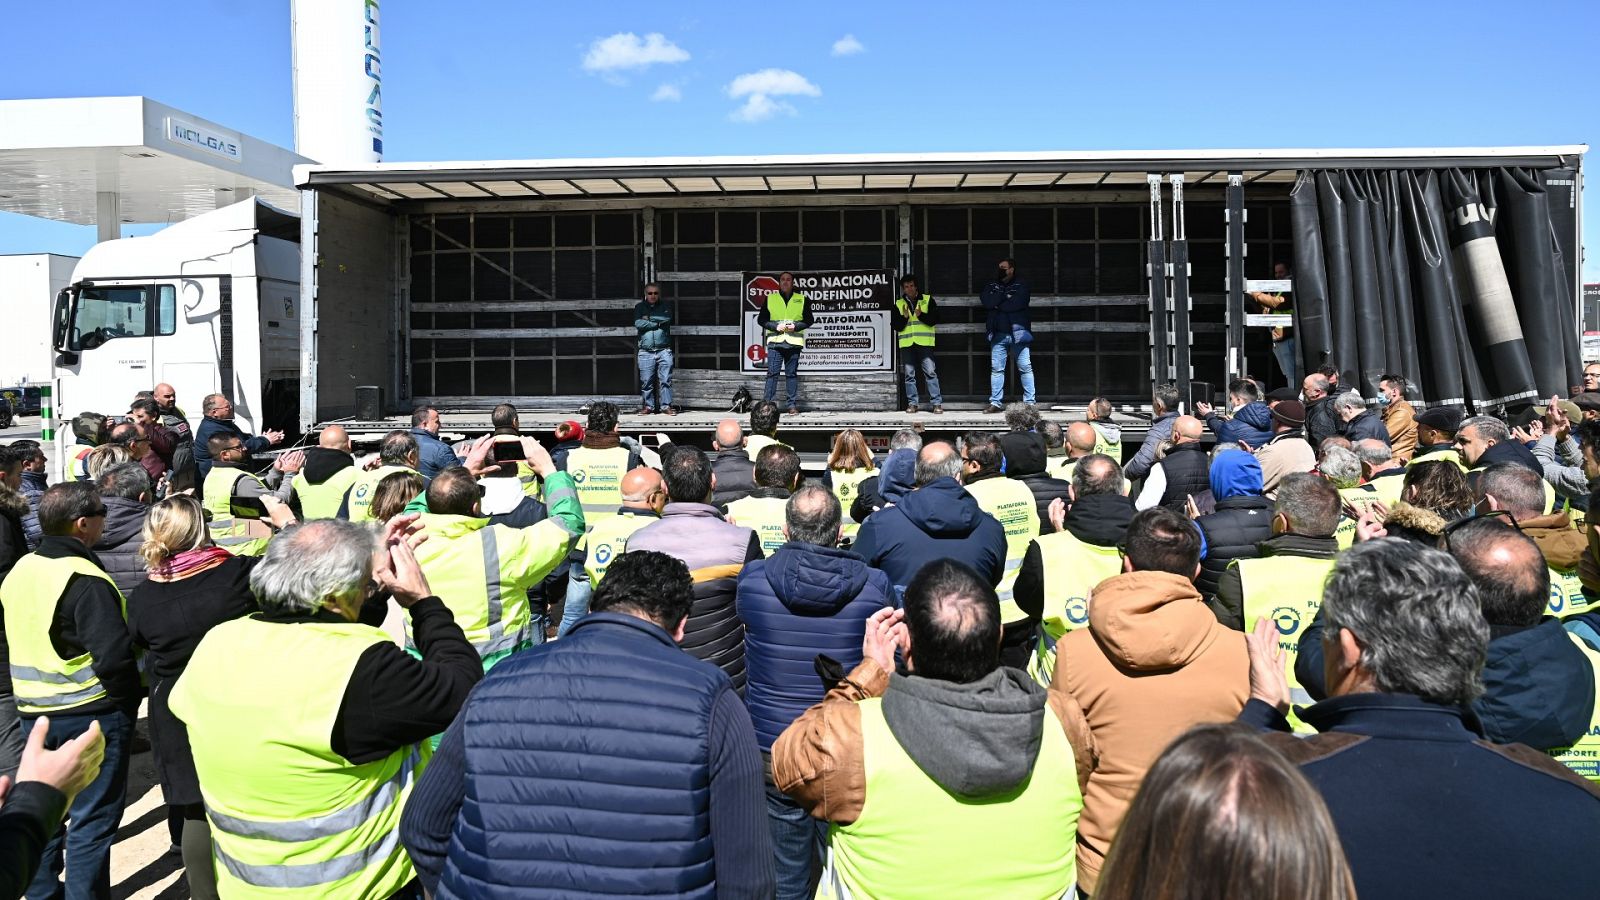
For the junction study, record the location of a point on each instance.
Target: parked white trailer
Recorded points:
(208, 305)
(28, 286)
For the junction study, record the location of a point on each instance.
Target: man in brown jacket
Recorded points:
(1153, 662)
(1519, 492)
(1399, 417)
(974, 772)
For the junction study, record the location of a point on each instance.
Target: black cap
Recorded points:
(1587, 401)
(1278, 395)
(1441, 418)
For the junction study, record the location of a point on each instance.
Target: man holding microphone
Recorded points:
(914, 318)
(783, 320)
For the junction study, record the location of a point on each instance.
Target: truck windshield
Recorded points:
(107, 313)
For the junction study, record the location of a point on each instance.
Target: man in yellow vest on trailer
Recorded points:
(309, 725)
(1285, 583)
(72, 661)
(233, 495)
(914, 317)
(928, 794)
(784, 320)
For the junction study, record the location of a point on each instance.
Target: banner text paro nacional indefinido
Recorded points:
(850, 311)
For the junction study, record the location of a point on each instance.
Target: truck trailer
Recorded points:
(466, 284)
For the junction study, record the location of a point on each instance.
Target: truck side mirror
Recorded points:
(63, 319)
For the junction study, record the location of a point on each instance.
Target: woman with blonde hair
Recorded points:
(390, 497)
(193, 586)
(1221, 814)
(850, 462)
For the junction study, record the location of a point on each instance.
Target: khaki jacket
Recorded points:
(1401, 420)
(1153, 663)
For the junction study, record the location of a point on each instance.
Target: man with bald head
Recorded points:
(732, 465)
(1081, 441)
(936, 520)
(319, 487)
(1184, 472)
(807, 598)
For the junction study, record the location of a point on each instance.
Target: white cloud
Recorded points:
(667, 92)
(758, 89)
(625, 50)
(848, 46)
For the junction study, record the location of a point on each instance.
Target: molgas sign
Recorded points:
(850, 310)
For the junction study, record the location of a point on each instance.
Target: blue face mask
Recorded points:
(1383, 399)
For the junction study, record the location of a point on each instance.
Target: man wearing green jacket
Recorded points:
(653, 317)
(484, 571)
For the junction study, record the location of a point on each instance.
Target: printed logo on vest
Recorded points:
(1287, 619)
(1078, 610)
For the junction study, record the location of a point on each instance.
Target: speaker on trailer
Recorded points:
(369, 402)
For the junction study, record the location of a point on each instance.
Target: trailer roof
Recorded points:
(847, 173)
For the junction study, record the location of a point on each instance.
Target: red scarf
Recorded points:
(189, 562)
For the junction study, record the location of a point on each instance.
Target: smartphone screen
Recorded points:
(507, 451)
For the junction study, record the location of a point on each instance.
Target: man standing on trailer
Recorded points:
(653, 317)
(914, 318)
(1010, 332)
(784, 319)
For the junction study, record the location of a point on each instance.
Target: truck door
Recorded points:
(108, 342)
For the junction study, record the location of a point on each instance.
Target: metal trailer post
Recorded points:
(1235, 249)
(1178, 267)
(308, 309)
(647, 255)
(1156, 271)
(903, 217)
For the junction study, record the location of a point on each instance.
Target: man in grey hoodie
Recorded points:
(973, 773)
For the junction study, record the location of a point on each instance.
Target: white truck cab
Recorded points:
(208, 305)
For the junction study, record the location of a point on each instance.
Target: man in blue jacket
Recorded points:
(1252, 420)
(937, 520)
(608, 763)
(218, 419)
(652, 316)
(1406, 643)
(435, 455)
(806, 600)
(1010, 332)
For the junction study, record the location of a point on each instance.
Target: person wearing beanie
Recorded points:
(1288, 450)
(1025, 461)
(1243, 517)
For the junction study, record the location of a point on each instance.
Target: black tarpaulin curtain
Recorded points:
(1450, 277)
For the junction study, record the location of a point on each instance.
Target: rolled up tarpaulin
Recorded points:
(1491, 312)
(1440, 350)
(1361, 206)
(1336, 260)
(1312, 326)
(1544, 304)
(1400, 335)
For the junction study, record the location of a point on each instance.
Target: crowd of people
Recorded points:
(1309, 645)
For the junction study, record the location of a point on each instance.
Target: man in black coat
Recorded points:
(1360, 423)
(732, 466)
(1025, 462)
(1321, 421)
(1406, 642)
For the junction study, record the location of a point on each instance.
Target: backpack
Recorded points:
(741, 400)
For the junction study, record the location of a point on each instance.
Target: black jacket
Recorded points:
(13, 544)
(1232, 532)
(1321, 422)
(1366, 425)
(89, 618)
(899, 322)
(1045, 489)
(1187, 468)
(1228, 603)
(1490, 809)
(735, 476)
(1098, 519)
(118, 547)
(1511, 451)
(32, 813)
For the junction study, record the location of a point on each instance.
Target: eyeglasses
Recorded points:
(652, 293)
(1503, 515)
(96, 513)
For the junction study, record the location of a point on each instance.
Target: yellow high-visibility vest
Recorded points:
(917, 333)
(765, 515)
(1012, 504)
(609, 540)
(1072, 568)
(231, 525)
(365, 486)
(916, 839)
(41, 681)
(1566, 593)
(1583, 756)
(289, 816)
(790, 310)
(322, 501)
(846, 487)
(1288, 590)
(598, 476)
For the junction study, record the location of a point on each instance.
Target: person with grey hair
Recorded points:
(1405, 643)
(274, 773)
(804, 600)
(1484, 441)
(1341, 466)
(1055, 442)
(217, 413)
(1164, 413)
(398, 452)
(127, 493)
(1359, 422)
(1382, 476)
(895, 476)
(937, 520)
(1022, 417)
(1321, 421)
(1520, 495)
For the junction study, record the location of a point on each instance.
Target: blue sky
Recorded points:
(472, 79)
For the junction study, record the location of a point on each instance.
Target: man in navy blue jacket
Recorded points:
(434, 455)
(806, 599)
(937, 520)
(1010, 331)
(1424, 806)
(218, 419)
(607, 763)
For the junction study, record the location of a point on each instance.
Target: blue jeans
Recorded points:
(786, 356)
(655, 366)
(998, 351)
(579, 591)
(1288, 363)
(797, 841)
(912, 359)
(92, 818)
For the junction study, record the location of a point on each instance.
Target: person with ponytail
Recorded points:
(194, 585)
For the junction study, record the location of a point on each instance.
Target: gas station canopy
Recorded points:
(108, 160)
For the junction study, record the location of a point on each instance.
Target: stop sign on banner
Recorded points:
(757, 289)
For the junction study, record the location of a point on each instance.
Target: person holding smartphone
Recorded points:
(233, 495)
